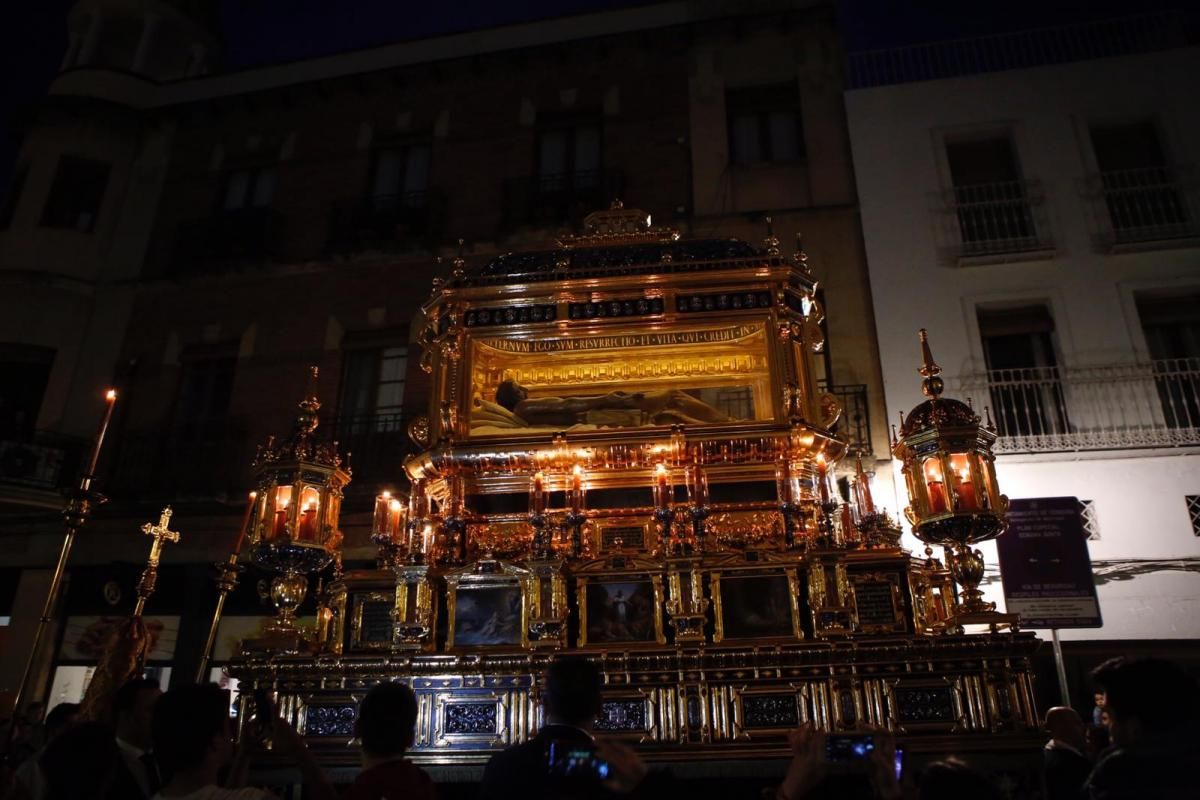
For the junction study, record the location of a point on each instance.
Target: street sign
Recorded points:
(1045, 566)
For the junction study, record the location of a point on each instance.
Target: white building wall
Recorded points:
(897, 136)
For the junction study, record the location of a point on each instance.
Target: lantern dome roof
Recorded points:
(938, 412)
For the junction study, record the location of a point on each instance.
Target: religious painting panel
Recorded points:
(760, 604)
(691, 376)
(621, 607)
(486, 606)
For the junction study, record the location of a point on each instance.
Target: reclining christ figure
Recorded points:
(662, 406)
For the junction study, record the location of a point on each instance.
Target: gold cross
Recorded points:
(161, 532)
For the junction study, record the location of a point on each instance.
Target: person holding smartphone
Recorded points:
(564, 760)
(859, 765)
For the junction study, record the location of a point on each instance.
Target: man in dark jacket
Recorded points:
(571, 701)
(1154, 719)
(1065, 765)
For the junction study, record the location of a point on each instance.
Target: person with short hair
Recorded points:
(386, 728)
(80, 763)
(1154, 721)
(1065, 765)
(193, 740)
(571, 701)
(137, 775)
(29, 782)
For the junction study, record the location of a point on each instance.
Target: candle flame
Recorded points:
(253, 495)
(395, 505)
(110, 395)
(661, 469)
(386, 495)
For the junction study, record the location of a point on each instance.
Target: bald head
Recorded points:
(1064, 724)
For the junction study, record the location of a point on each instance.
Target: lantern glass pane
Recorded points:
(935, 485)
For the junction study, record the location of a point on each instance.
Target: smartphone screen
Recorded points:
(848, 748)
(573, 760)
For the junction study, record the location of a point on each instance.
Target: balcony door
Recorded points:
(1140, 191)
(1023, 375)
(1171, 324)
(989, 196)
(370, 421)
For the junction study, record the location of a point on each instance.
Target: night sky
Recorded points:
(270, 31)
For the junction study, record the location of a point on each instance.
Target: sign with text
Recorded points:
(1045, 566)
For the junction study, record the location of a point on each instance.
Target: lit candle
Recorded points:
(308, 522)
(283, 498)
(783, 481)
(426, 538)
(382, 523)
(237, 545)
(964, 487)
(661, 487)
(822, 477)
(397, 519)
(576, 488)
(537, 494)
(936, 486)
(701, 487)
(110, 399)
(866, 505)
(848, 530)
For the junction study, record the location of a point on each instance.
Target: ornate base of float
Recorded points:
(938, 694)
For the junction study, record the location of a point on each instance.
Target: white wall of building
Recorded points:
(898, 135)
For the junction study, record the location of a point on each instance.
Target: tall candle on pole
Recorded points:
(81, 501)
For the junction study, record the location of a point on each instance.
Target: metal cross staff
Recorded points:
(160, 533)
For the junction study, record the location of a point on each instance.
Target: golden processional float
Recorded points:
(626, 456)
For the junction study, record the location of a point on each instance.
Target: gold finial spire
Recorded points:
(459, 262)
(932, 385)
(771, 240)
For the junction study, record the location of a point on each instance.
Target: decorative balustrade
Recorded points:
(1005, 218)
(1152, 204)
(1139, 33)
(1052, 409)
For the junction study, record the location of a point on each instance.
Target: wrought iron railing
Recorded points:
(41, 460)
(385, 222)
(1048, 409)
(377, 444)
(854, 426)
(1001, 218)
(1151, 204)
(202, 463)
(560, 198)
(1139, 33)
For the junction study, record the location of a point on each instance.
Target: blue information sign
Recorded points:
(1045, 566)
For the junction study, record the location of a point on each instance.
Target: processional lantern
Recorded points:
(294, 530)
(954, 500)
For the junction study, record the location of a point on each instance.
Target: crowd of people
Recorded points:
(1142, 742)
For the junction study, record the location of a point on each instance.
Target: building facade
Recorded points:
(1030, 199)
(256, 222)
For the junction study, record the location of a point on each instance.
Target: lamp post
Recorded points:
(954, 500)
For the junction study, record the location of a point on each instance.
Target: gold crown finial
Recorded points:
(932, 385)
